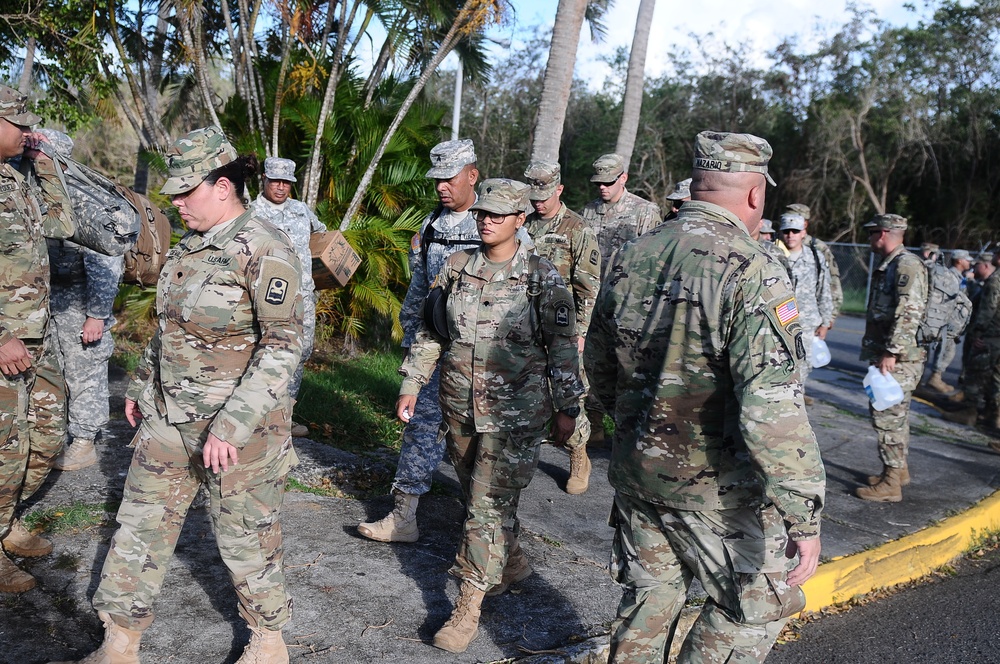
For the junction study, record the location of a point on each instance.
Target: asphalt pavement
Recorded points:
(362, 601)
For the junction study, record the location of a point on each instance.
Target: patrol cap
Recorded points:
(799, 208)
(543, 177)
(682, 191)
(449, 158)
(193, 156)
(502, 196)
(791, 221)
(985, 257)
(886, 222)
(766, 226)
(931, 247)
(61, 143)
(14, 108)
(608, 168)
(276, 168)
(732, 153)
(961, 255)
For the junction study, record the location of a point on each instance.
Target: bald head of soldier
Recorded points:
(730, 170)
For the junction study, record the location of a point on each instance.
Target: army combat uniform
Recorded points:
(617, 223)
(983, 372)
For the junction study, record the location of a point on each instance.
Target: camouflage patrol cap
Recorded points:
(449, 158)
(732, 153)
(985, 257)
(502, 196)
(192, 157)
(276, 168)
(682, 191)
(792, 221)
(930, 247)
(544, 178)
(961, 255)
(886, 222)
(14, 108)
(799, 208)
(608, 168)
(766, 226)
(61, 143)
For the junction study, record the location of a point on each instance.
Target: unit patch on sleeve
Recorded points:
(787, 311)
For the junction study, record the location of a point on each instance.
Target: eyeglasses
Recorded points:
(610, 184)
(876, 231)
(786, 231)
(495, 218)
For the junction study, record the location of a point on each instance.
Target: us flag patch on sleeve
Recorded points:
(787, 311)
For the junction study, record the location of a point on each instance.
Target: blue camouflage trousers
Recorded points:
(492, 468)
(739, 557)
(422, 448)
(245, 502)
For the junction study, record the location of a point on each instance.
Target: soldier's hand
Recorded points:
(14, 357)
(31, 150)
(404, 407)
(808, 551)
(132, 413)
(821, 332)
(562, 428)
(217, 454)
(886, 364)
(93, 330)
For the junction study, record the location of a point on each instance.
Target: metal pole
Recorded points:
(456, 109)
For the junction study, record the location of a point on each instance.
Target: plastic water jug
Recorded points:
(820, 353)
(883, 391)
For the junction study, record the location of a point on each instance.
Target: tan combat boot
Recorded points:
(886, 491)
(399, 526)
(81, 454)
(937, 382)
(966, 416)
(13, 579)
(579, 471)
(516, 570)
(904, 477)
(121, 645)
(597, 436)
(20, 542)
(463, 626)
(266, 647)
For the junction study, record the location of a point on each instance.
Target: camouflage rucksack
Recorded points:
(145, 258)
(106, 221)
(948, 308)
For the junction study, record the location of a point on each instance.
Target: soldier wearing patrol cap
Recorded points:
(713, 449)
(509, 365)
(30, 377)
(681, 193)
(562, 236)
(276, 205)
(942, 352)
(896, 303)
(211, 400)
(449, 228)
(766, 239)
(929, 252)
(817, 246)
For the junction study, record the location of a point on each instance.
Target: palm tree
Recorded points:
(632, 104)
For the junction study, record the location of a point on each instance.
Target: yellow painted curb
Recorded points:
(903, 560)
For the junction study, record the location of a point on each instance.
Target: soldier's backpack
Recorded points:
(145, 258)
(948, 308)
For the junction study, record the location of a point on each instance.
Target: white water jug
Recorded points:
(820, 353)
(883, 390)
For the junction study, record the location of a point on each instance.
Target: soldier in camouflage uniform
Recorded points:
(766, 239)
(449, 228)
(509, 364)
(616, 216)
(942, 352)
(84, 286)
(811, 283)
(33, 205)
(211, 399)
(681, 193)
(714, 464)
(275, 204)
(561, 236)
(817, 246)
(896, 304)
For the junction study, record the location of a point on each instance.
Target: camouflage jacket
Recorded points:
(775, 252)
(512, 336)
(617, 223)
(453, 231)
(812, 289)
(229, 329)
(693, 347)
(963, 282)
(896, 306)
(836, 290)
(987, 321)
(571, 246)
(32, 208)
(84, 279)
(298, 222)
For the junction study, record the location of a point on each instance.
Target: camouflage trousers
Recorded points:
(85, 369)
(32, 427)
(423, 447)
(982, 381)
(738, 555)
(492, 468)
(893, 424)
(245, 502)
(308, 341)
(581, 434)
(941, 353)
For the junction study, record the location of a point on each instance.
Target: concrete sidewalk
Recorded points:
(361, 601)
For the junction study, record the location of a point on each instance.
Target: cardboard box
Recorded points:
(333, 259)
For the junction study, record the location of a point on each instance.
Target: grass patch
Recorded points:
(854, 302)
(77, 516)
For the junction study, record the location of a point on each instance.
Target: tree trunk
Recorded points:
(558, 79)
(286, 50)
(24, 86)
(632, 104)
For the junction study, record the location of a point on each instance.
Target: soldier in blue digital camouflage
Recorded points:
(509, 365)
(693, 349)
(34, 205)
(896, 302)
(448, 228)
(210, 396)
(561, 236)
(276, 205)
(84, 287)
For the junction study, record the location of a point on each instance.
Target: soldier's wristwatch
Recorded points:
(571, 411)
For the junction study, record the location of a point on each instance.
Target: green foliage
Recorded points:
(76, 516)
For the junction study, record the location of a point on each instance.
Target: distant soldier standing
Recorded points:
(896, 304)
(942, 352)
(766, 239)
(561, 236)
(681, 193)
(816, 245)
